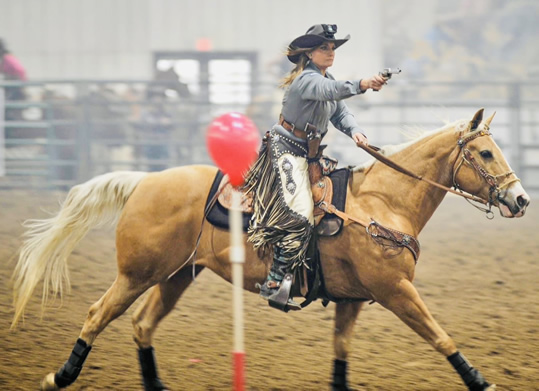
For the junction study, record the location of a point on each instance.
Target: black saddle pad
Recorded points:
(329, 226)
(218, 215)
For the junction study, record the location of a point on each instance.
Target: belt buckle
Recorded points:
(293, 126)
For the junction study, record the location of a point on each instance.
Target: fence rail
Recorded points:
(63, 132)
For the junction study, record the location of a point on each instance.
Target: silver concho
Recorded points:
(291, 187)
(287, 169)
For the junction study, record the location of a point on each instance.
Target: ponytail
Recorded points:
(300, 65)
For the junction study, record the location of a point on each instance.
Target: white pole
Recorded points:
(237, 258)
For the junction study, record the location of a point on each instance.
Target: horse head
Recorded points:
(482, 170)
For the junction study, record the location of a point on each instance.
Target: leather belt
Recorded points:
(292, 128)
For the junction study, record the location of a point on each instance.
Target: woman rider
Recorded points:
(283, 205)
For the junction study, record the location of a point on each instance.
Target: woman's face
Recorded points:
(323, 55)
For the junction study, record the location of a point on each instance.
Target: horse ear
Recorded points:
(476, 120)
(489, 119)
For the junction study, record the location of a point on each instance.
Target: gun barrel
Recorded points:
(388, 72)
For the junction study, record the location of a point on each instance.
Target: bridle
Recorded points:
(467, 157)
(492, 180)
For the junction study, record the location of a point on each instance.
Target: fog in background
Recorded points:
(110, 39)
(444, 49)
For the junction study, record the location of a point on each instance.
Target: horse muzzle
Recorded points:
(513, 202)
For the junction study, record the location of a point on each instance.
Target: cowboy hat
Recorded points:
(315, 36)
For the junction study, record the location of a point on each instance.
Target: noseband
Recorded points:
(492, 180)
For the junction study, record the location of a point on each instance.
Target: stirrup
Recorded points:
(281, 299)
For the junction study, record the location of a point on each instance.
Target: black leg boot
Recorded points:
(471, 376)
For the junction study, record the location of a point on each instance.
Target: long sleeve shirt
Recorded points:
(317, 99)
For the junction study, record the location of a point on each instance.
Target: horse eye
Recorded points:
(486, 154)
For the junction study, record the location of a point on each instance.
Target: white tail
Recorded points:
(49, 242)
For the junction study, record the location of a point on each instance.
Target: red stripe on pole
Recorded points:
(239, 371)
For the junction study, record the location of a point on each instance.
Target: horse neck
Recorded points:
(404, 201)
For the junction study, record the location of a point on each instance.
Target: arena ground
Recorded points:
(478, 277)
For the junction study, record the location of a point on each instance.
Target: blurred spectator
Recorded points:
(156, 123)
(11, 69)
(167, 80)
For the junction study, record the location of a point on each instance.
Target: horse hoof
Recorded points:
(48, 384)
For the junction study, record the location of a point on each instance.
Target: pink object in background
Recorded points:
(12, 67)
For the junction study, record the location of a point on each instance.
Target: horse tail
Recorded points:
(49, 242)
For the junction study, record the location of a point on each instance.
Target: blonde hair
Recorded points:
(300, 65)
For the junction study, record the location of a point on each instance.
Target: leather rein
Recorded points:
(492, 180)
(377, 231)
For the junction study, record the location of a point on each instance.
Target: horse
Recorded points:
(158, 221)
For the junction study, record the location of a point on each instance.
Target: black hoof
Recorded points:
(154, 385)
(340, 387)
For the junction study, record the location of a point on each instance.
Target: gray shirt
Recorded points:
(315, 99)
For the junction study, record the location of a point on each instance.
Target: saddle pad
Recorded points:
(218, 215)
(329, 225)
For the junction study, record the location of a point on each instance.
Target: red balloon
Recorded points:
(233, 143)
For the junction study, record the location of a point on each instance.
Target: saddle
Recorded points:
(330, 188)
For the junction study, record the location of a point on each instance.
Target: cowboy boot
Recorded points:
(270, 289)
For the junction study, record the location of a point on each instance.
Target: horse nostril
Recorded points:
(522, 201)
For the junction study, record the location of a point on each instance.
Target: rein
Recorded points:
(377, 231)
(492, 180)
(372, 151)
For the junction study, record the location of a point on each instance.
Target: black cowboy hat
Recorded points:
(314, 37)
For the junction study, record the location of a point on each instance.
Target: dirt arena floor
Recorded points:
(480, 279)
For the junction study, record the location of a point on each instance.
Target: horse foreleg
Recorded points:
(406, 303)
(345, 319)
(112, 304)
(156, 306)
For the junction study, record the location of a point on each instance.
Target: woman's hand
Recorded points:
(375, 82)
(360, 138)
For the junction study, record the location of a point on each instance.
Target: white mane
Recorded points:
(420, 134)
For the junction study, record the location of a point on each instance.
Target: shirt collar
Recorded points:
(313, 67)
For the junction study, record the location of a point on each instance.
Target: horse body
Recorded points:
(162, 214)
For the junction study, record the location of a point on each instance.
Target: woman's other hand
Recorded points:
(360, 138)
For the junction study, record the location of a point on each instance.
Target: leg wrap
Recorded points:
(72, 367)
(149, 370)
(471, 376)
(339, 376)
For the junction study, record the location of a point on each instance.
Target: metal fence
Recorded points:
(59, 133)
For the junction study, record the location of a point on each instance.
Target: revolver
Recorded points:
(388, 72)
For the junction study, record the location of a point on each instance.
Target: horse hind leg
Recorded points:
(158, 304)
(112, 304)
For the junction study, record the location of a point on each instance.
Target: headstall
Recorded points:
(492, 180)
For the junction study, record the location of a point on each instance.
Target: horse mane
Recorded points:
(416, 134)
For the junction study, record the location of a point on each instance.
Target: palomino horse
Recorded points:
(161, 215)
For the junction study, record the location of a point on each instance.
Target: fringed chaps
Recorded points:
(282, 202)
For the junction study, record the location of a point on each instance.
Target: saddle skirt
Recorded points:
(326, 224)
